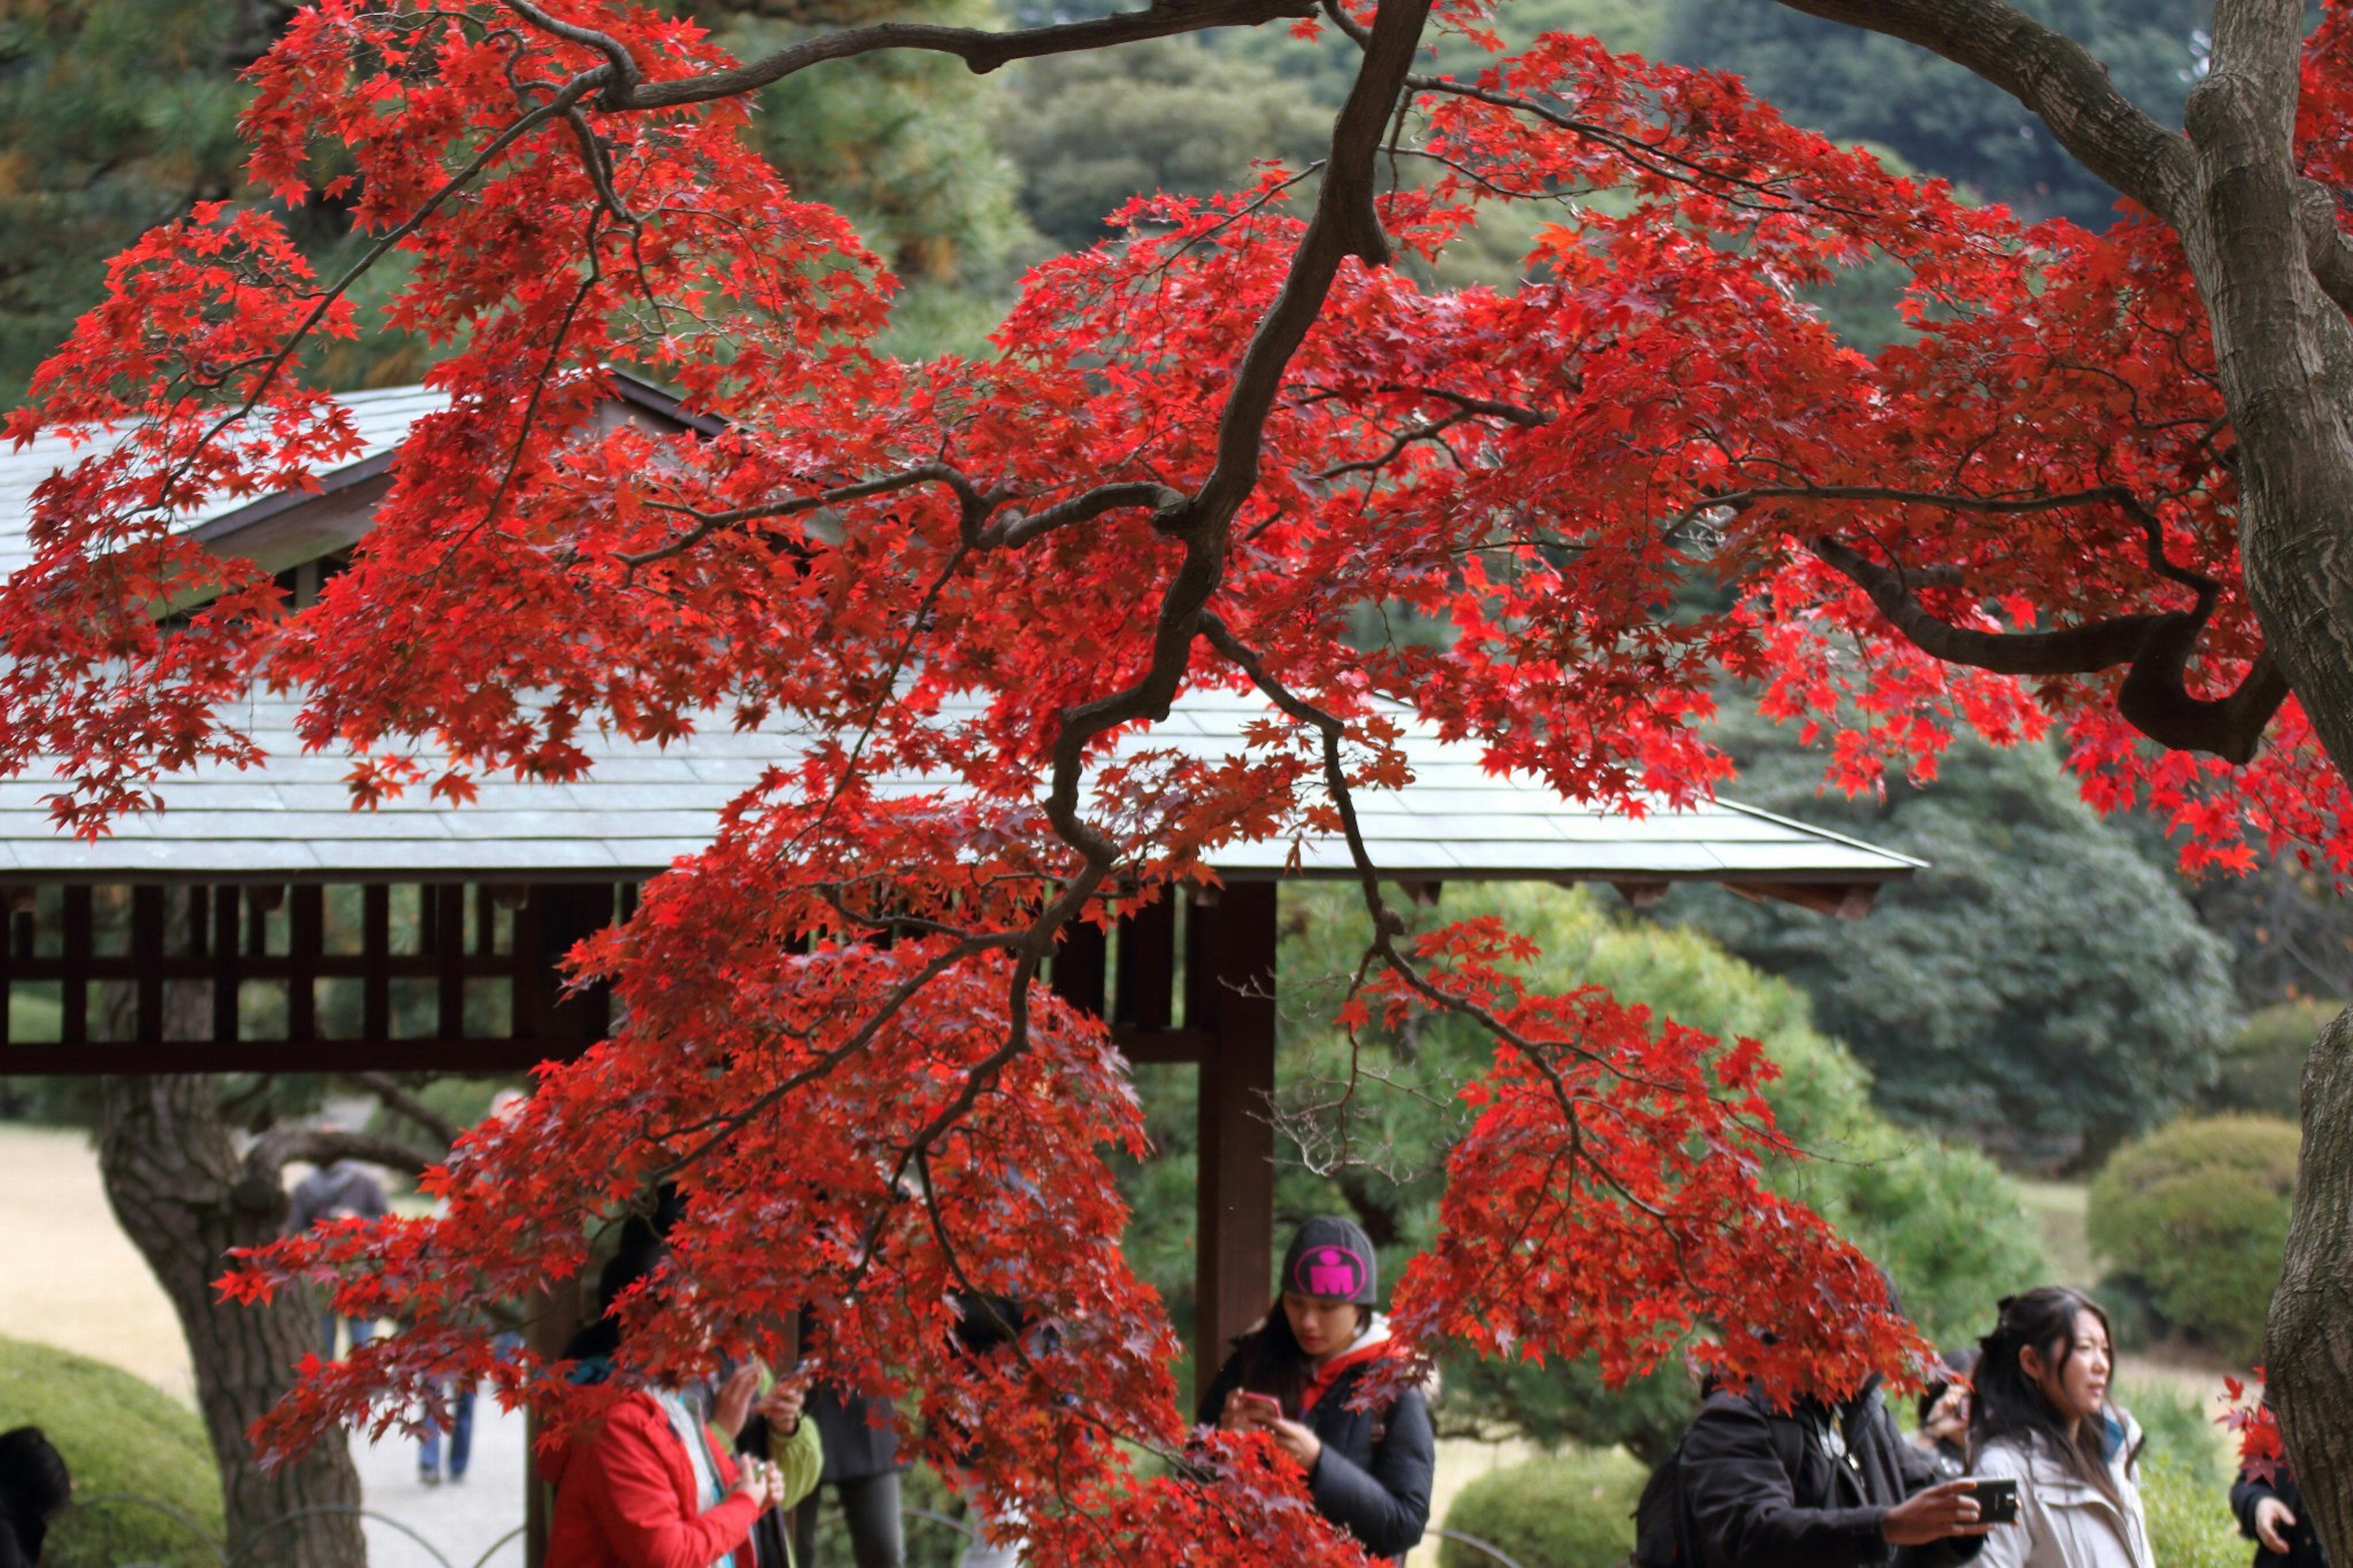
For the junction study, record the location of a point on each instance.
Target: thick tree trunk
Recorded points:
(184, 1199)
(2310, 1333)
(2285, 355)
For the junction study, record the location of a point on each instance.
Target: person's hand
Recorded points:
(1950, 1417)
(763, 1482)
(1243, 1411)
(1294, 1439)
(782, 1407)
(732, 1407)
(2273, 1519)
(1933, 1515)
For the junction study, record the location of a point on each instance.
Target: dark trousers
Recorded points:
(870, 1506)
(461, 1434)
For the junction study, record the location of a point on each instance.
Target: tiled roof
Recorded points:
(642, 806)
(383, 419)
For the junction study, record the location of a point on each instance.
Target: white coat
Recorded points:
(2064, 1522)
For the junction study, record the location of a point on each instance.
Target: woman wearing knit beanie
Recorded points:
(1295, 1376)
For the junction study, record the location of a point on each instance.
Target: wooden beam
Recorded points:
(448, 903)
(1232, 948)
(1179, 1047)
(225, 955)
(375, 952)
(378, 1055)
(306, 925)
(1839, 900)
(1147, 966)
(74, 999)
(147, 955)
(1079, 963)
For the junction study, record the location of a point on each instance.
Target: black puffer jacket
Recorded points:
(2303, 1540)
(20, 1540)
(1748, 1510)
(1373, 1478)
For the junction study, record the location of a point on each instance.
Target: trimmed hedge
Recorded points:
(1575, 1509)
(118, 1434)
(2197, 1214)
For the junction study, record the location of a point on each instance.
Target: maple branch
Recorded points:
(2155, 646)
(1428, 430)
(1345, 223)
(620, 75)
(1388, 926)
(981, 49)
(1017, 529)
(400, 1102)
(569, 94)
(710, 522)
(1664, 162)
(2054, 77)
(726, 1127)
(1511, 413)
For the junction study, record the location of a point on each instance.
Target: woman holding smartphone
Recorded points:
(2040, 1417)
(1293, 1376)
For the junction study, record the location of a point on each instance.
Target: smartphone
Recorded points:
(1997, 1499)
(1263, 1407)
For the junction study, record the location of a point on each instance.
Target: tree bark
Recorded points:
(2276, 277)
(2310, 1332)
(185, 1198)
(2286, 353)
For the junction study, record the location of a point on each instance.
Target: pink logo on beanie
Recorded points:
(1334, 1273)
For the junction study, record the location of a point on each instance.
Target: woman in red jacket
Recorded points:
(650, 1485)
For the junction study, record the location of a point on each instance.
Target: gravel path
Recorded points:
(463, 1523)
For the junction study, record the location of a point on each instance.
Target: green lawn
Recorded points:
(2058, 1209)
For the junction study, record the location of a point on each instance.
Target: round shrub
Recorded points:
(1574, 1509)
(118, 1434)
(2262, 1069)
(2197, 1212)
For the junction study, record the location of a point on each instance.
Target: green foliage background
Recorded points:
(2044, 987)
(1860, 87)
(2262, 1069)
(1573, 1510)
(118, 1434)
(2195, 1215)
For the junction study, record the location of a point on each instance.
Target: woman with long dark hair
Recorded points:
(2041, 1417)
(1295, 1375)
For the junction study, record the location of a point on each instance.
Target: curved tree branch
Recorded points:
(2051, 75)
(283, 1145)
(979, 47)
(400, 1102)
(2155, 646)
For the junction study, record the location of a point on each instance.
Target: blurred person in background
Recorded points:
(33, 1489)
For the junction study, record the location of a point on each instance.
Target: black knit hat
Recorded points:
(1332, 1259)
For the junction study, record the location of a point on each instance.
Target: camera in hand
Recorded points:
(1997, 1499)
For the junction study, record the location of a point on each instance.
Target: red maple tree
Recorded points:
(2075, 497)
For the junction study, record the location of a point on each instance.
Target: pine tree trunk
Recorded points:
(182, 1195)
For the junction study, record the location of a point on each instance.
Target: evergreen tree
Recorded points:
(1866, 86)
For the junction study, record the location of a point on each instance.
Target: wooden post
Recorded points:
(1230, 992)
